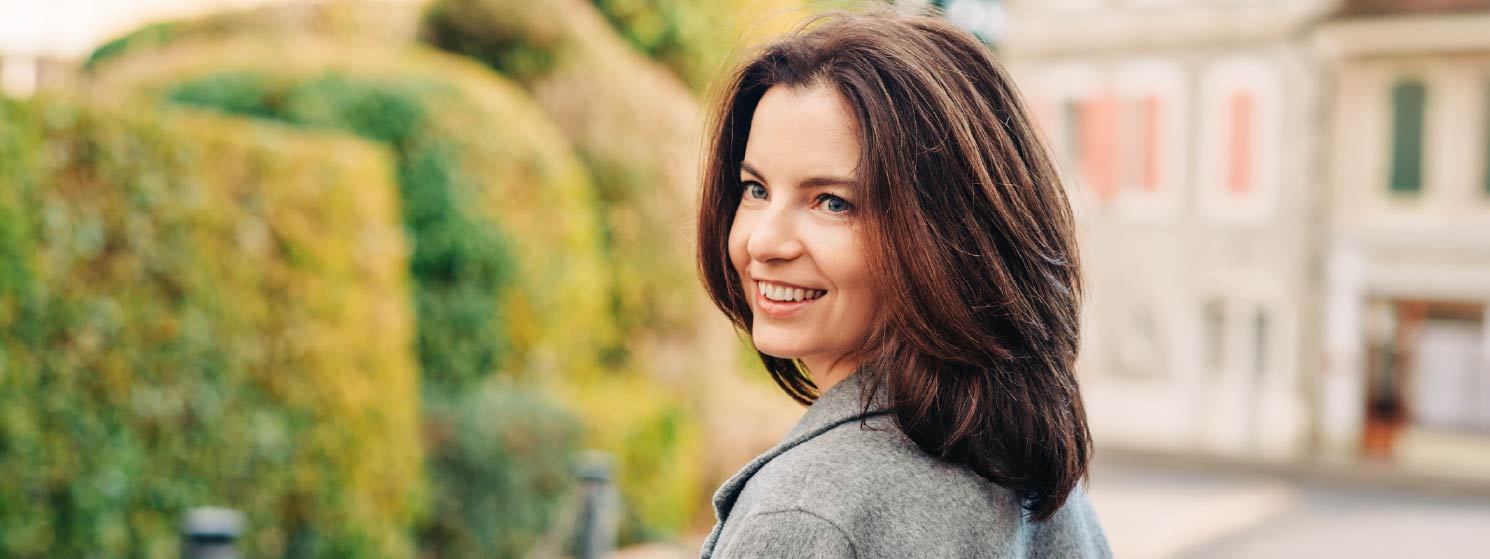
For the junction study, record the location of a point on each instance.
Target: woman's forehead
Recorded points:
(797, 133)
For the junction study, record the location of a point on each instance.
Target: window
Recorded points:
(1241, 130)
(1140, 346)
(1141, 130)
(1409, 100)
(1259, 344)
(1150, 148)
(1213, 328)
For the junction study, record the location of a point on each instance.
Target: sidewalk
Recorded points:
(1159, 505)
(1467, 475)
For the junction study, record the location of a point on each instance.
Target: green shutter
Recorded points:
(1071, 111)
(1408, 100)
(1486, 168)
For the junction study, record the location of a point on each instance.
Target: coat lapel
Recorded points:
(841, 404)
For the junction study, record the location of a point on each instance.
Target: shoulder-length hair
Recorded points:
(971, 237)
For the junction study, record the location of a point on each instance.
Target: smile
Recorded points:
(779, 301)
(786, 294)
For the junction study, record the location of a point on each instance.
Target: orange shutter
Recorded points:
(1149, 140)
(1097, 145)
(1240, 148)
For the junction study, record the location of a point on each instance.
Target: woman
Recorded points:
(879, 214)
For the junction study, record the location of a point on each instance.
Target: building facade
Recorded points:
(1406, 373)
(1285, 212)
(1190, 134)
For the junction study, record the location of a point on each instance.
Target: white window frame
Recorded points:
(1219, 82)
(1165, 81)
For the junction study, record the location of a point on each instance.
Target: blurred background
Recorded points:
(414, 277)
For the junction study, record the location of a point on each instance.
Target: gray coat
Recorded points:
(833, 489)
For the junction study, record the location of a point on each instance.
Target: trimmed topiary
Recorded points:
(636, 128)
(200, 311)
(634, 125)
(506, 263)
(508, 278)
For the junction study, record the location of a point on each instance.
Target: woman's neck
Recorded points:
(827, 372)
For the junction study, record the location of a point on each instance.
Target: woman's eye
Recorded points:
(835, 204)
(755, 190)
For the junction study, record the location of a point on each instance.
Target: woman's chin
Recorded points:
(778, 348)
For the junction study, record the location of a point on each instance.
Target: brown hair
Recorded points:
(972, 241)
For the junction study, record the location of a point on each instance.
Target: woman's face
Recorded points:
(794, 233)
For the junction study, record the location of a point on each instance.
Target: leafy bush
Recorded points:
(635, 127)
(200, 311)
(657, 445)
(506, 264)
(507, 272)
(502, 464)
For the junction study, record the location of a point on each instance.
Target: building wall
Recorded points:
(1398, 247)
(1202, 279)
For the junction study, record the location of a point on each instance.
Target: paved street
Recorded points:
(1153, 510)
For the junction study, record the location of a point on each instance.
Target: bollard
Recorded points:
(598, 519)
(210, 533)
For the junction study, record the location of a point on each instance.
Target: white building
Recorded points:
(1406, 372)
(1190, 132)
(1285, 210)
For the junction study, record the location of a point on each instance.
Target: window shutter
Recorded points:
(1098, 144)
(1408, 103)
(1151, 121)
(1240, 144)
(1071, 131)
(1486, 150)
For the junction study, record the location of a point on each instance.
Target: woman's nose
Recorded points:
(774, 237)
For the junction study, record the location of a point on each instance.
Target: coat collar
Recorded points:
(842, 403)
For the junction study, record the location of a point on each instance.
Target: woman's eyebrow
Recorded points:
(809, 182)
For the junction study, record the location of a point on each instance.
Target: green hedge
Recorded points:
(502, 465)
(506, 264)
(508, 278)
(200, 311)
(658, 448)
(635, 126)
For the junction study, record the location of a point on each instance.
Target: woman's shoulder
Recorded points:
(873, 488)
(873, 465)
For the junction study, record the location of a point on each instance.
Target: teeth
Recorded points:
(782, 293)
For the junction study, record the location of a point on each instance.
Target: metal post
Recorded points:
(598, 513)
(210, 533)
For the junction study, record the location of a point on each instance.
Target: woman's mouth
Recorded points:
(781, 301)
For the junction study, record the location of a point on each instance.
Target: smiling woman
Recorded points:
(794, 242)
(879, 215)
